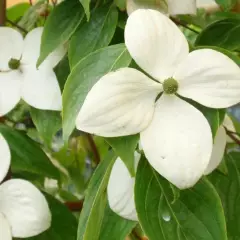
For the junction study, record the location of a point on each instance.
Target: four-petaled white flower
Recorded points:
(19, 76)
(24, 211)
(175, 136)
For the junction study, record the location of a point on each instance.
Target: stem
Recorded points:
(93, 148)
(2, 12)
(17, 26)
(75, 206)
(232, 136)
(136, 235)
(183, 24)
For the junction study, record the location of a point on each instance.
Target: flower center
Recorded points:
(170, 86)
(14, 63)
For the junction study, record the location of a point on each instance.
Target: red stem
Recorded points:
(75, 206)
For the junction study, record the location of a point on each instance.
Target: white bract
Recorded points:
(19, 76)
(24, 211)
(120, 190)
(171, 7)
(175, 136)
(220, 141)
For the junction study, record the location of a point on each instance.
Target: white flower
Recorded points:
(24, 211)
(120, 190)
(171, 7)
(220, 141)
(175, 136)
(19, 77)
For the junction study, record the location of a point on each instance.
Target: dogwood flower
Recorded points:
(175, 136)
(171, 7)
(19, 76)
(120, 190)
(24, 211)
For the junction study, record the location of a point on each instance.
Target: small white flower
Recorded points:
(24, 211)
(19, 76)
(120, 190)
(175, 136)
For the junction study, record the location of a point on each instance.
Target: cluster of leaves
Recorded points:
(46, 147)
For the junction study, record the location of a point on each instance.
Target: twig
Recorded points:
(232, 136)
(136, 235)
(75, 206)
(17, 26)
(93, 148)
(183, 24)
(2, 12)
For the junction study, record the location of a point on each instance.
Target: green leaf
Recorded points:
(86, 6)
(228, 187)
(59, 27)
(93, 35)
(26, 155)
(223, 33)
(124, 147)
(114, 227)
(62, 70)
(84, 75)
(121, 4)
(95, 201)
(15, 12)
(47, 123)
(64, 224)
(227, 4)
(31, 16)
(196, 214)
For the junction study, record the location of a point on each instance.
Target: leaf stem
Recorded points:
(93, 148)
(183, 24)
(17, 26)
(75, 206)
(232, 136)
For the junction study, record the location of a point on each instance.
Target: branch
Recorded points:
(75, 206)
(232, 136)
(93, 148)
(17, 26)
(137, 236)
(183, 24)
(2, 12)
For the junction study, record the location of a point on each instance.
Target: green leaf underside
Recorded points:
(47, 123)
(114, 227)
(92, 214)
(84, 75)
(124, 147)
(196, 215)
